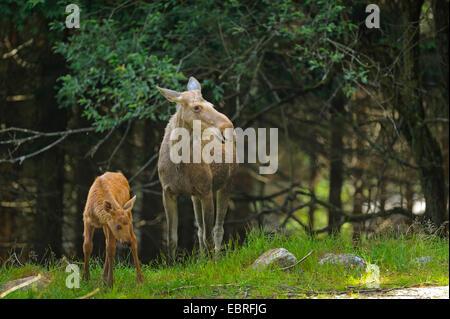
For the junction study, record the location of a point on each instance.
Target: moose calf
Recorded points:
(108, 206)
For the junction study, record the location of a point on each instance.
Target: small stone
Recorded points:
(346, 260)
(279, 256)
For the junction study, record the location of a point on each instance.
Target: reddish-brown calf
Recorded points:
(108, 206)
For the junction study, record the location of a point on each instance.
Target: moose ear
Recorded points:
(107, 206)
(129, 205)
(171, 95)
(193, 84)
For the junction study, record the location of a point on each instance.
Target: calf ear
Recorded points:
(129, 205)
(107, 206)
(171, 95)
(193, 84)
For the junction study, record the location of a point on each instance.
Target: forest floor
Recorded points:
(231, 275)
(405, 293)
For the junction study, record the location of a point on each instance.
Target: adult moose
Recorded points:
(198, 179)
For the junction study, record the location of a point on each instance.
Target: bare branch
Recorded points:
(93, 150)
(20, 159)
(35, 135)
(108, 162)
(144, 166)
(298, 262)
(14, 51)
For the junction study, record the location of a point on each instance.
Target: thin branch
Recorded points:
(154, 156)
(380, 149)
(298, 262)
(38, 134)
(345, 217)
(14, 51)
(24, 157)
(24, 284)
(93, 150)
(96, 290)
(143, 186)
(108, 162)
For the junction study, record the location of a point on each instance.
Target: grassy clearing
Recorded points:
(231, 277)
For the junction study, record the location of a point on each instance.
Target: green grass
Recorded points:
(231, 277)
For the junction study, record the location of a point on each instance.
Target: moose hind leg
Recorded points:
(170, 207)
(222, 197)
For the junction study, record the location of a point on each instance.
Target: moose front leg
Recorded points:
(199, 220)
(208, 219)
(170, 207)
(222, 197)
(87, 247)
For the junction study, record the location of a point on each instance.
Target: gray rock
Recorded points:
(346, 260)
(278, 256)
(422, 260)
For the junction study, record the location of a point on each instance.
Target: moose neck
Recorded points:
(179, 121)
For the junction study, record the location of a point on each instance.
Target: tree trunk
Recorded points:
(441, 17)
(424, 147)
(441, 22)
(152, 213)
(358, 181)
(49, 172)
(336, 161)
(313, 178)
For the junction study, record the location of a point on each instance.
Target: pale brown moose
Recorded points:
(199, 180)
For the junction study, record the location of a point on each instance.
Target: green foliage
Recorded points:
(115, 60)
(20, 11)
(114, 74)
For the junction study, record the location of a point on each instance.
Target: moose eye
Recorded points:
(196, 108)
(118, 227)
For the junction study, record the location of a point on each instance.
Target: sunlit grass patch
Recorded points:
(231, 275)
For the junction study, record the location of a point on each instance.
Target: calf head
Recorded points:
(194, 107)
(121, 219)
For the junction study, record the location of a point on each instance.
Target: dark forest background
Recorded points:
(362, 114)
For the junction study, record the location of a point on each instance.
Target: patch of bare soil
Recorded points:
(441, 292)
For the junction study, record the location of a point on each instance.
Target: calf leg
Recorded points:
(87, 247)
(133, 248)
(170, 207)
(106, 264)
(111, 244)
(112, 254)
(222, 197)
(199, 220)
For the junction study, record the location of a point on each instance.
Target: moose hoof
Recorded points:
(104, 283)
